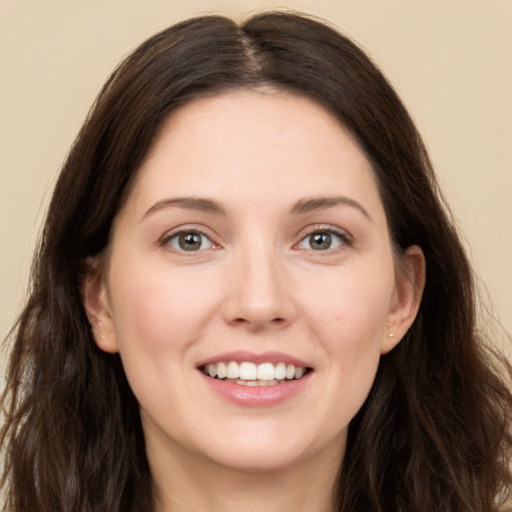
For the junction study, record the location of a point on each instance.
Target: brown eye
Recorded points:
(189, 241)
(322, 241)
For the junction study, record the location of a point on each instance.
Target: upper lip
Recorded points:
(253, 357)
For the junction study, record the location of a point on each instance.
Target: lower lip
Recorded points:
(256, 396)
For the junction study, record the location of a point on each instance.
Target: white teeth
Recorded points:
(280, 371)
(261, 383)
(222, 370)
(247, 371)
(250, 374)
(233, 370)
(266, 371)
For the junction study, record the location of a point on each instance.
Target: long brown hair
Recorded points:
(435, 432)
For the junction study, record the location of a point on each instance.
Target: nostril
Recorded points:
(278, 321)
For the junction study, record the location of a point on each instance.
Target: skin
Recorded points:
(257, 284)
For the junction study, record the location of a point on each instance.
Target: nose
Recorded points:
(260, 291)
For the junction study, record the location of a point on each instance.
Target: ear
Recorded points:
(97, 306)
(409, 285)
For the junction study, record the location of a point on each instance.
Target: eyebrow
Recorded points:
(188, 203)
(322, 203)
(210, 206)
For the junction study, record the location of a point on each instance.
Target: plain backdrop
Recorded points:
(451, 62)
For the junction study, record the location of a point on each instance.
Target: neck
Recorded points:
(185, 483)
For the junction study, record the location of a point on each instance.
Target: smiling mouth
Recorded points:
(251, 374)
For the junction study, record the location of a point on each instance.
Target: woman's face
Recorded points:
(254, 241)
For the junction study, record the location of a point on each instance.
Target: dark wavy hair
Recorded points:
(435, 431)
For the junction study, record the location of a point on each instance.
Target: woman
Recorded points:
(249, 295)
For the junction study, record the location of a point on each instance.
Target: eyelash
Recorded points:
(174, 234)
(345, 238)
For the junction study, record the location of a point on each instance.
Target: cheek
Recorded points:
(348, 317)
(158, 316)
(160, 311)
(355, 300)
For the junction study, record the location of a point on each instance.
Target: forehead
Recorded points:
(245, 144)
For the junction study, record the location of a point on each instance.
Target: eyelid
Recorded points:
(178, 230)
(347, 239)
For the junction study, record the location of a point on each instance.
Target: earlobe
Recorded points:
(97, 307)
(410, 282)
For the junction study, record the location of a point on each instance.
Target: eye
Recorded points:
(189, 241)
(323, 240)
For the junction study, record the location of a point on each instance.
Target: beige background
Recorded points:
(450, 60)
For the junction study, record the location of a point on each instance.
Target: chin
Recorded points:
(254, 461)
(268, 451)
